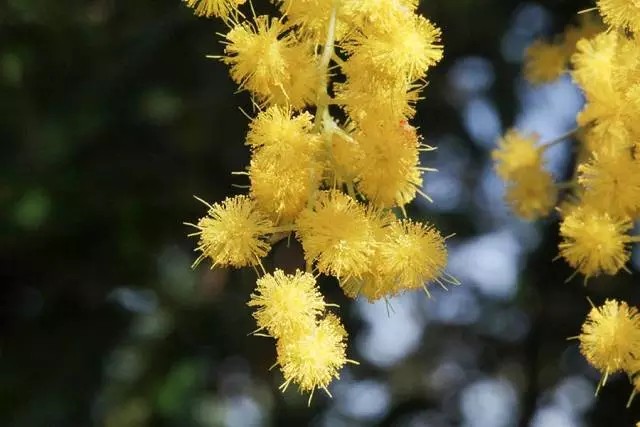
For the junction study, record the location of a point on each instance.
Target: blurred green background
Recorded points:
(112, 119)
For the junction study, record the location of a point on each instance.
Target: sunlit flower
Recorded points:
(624, 14)
(532, 193)
(405, 48)
(365, 98)
(233, 233)
(594, 242)
(257, 55)
(594, 70)
(346, 154)
(615, 137)
(413, 254)
(610, 337)
(278, 125)
(311, 17)
(515, 152)
(313, 359)
(612, 182)
(337, 234)
(281, 182)
(286, 304)
(593, 63)
(389, 168)
(376, 282)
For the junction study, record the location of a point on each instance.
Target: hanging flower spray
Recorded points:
(336, 183)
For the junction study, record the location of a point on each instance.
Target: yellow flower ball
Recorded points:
(286, 303)
(594, 242)
(337, 234)
(233, 233)
(515, 152)
(532, 193)
(313, 359)
(610, 337)
(414, 254)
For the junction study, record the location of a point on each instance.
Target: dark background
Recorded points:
(112, 119)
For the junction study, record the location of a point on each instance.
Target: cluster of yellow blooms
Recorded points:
(338, 185)
(604, 201)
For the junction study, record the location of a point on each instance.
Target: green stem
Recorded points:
(559, 139)
(322, 102)
(328, 51)
(591, 9)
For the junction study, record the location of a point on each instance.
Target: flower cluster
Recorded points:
(530, 189)
(603, 197)
(336, 180)
(310, 342)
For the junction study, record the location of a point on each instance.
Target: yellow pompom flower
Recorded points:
(607, 70)
(593, 69)
(277, 126)
(313, 359)
(405, 49)
(286, 304)
(531, 193)
(266, 59)
(594, 242)
(623, 14)
(375, 283)
(304, 77)
(345, 155)
(375, 15)
(365, 98)
(626, 62)
(545, 62)
(612, 182)
(414, 254)
(389, 169)
(219, 8)
(338, 234)
(408, 256)
(593, 63)
(233, 233)
(281, 182)
(256, 53)
(286, 166)
(610, 337)
(614, 137)
(312, 18)
(516, 152)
